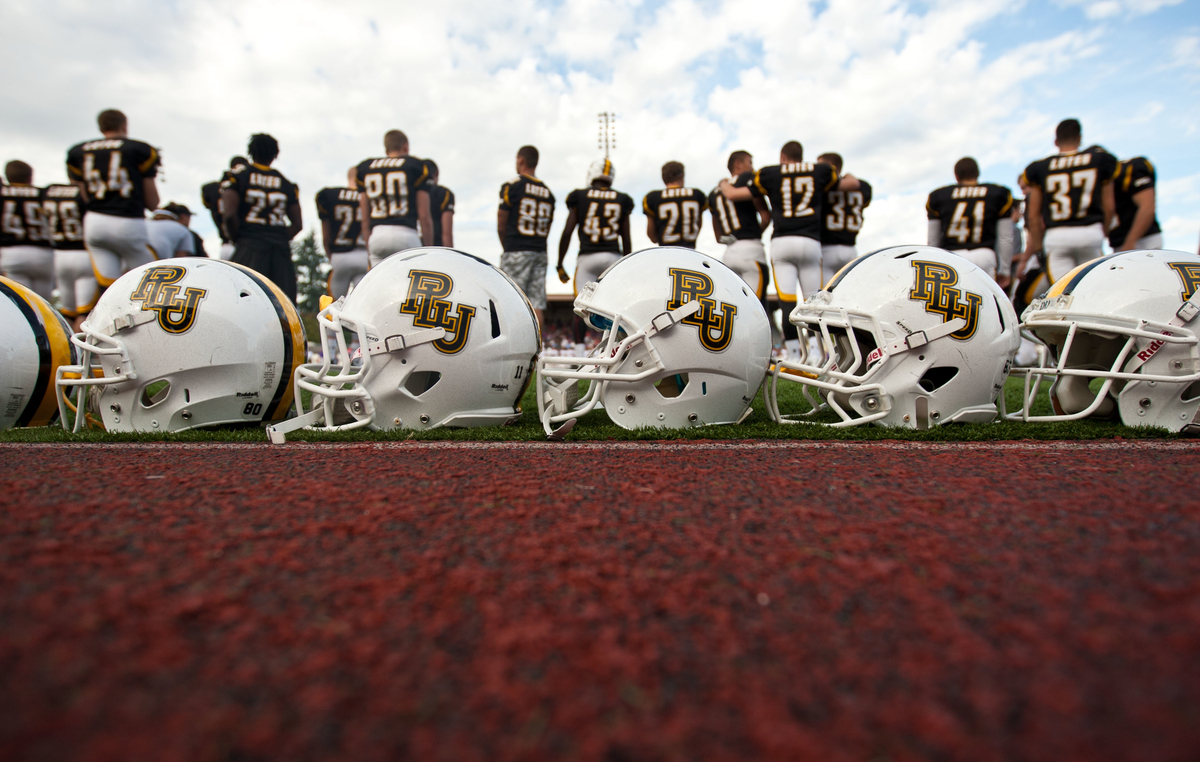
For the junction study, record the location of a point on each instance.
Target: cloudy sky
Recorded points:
(900, 89)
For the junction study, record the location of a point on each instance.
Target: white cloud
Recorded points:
(1104, 9)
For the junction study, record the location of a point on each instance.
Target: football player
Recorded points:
(261, 214)
(841, 222)
(1134, 200)
(1071, 202)
(210, 195)
(116, 177)
(341, 234)
(602, 216)
(675, 213)
(394, 195)
(167, 235)
(740, 225)
(441, 205)
(77, 287)
(796, 190)
(26, 253)
(974, 220)
(523, 223)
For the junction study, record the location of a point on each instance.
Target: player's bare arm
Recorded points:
(564, 243)
(150, 193)
(364, 211)
(448, 229)
(626, 238)
(501, 224)
(293, 212)
(327, 237)
(1108, 202)
(764, 213)
(652, 232)
(848, 183)
(229, 214)
(1035, 227)
(735, 194)
(1142, 219)
(425, 216)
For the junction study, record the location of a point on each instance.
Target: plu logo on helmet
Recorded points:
(934, 286)
(716, 328)
(426, 301)
(1189, 273)
(159, 291)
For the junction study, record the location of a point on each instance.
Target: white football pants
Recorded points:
(116, 244)
(833, 259)
(1069, 246)
(386, 240)
(748, 258)
(589, 267)
(348, 269)
(796, 263)
(31, 266)
(78, 290)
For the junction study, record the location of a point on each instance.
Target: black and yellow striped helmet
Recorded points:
(34, 341)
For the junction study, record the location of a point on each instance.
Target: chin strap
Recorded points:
(403, 341)
(1183, 316)
(277, 432)
(665, 320)
(921, 338)
(132, 320)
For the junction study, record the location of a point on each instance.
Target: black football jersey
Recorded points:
(736, 218)
(441, 200)
(391, 185)
(62, 206)
(796, 193)
(264, 197)
(530, 207)
(112, 169)
(677, 213)
(843, 216)
(1071, 186)
(24, 220)
(1133, 177)
(340, 206)
(969, 213)
(600, 212)
(210, 196)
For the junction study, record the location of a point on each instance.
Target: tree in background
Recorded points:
(312, 269)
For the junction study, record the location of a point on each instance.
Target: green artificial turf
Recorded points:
(596, 427)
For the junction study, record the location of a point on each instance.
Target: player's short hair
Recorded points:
(1068, 131)
(672, 172)
(394, 140)
(792, 151)
(238, 161)
(111, 120)
(263, 148)
(833, 159)
(177, 209)
(529, 155)
(433, 167)
(18, 171)
(735, 157)
(966, 168)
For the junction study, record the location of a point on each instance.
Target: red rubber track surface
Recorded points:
(622, 602)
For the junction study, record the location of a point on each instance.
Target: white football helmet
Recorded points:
(34, 342)
(685, 343)
(446, 339)
(184, 343)
(1130, 320)
(600, 168)
(914, 337)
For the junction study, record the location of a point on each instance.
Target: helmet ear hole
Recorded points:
(154, 393)
(495, 319)
(936, 378)
(671, 386)
(421, 381)
(1190, 393)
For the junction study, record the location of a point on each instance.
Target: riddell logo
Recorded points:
(499, 387)
(247, 395)
(1153, 348)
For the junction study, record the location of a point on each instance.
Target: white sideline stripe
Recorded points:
(671, 446)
